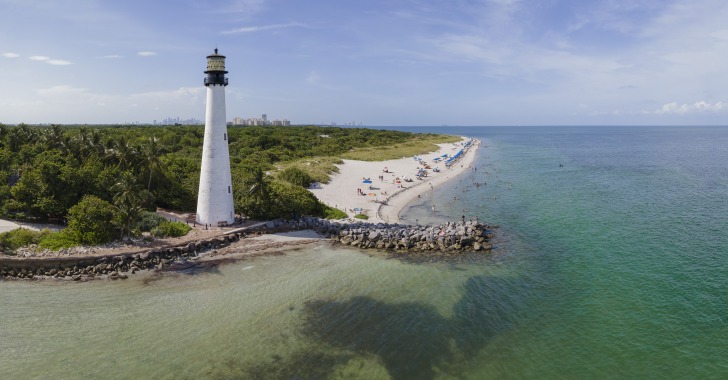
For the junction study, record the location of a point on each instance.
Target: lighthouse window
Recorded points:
(228, 189)
(225, 136)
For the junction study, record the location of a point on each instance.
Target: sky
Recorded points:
(375, 62)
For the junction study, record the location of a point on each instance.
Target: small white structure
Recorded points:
(215, 196)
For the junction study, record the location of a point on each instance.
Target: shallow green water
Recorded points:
(610, 266)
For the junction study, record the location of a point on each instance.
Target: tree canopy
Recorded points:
(47, 170)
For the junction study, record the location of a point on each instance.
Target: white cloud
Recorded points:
(11, 55)
(59, 62)
(147, 53)
(697, 107)
(48, 60)
(111, 56)
(252, 29)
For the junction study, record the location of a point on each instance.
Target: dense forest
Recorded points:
(49, 169)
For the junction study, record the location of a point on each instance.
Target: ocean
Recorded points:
(610, 261)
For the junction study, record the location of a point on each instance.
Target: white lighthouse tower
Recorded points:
(215, 196)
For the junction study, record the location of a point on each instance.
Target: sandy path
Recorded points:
(6, 225)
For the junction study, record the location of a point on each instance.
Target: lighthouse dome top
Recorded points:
(216, 62)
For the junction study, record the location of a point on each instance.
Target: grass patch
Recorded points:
(334, 213)
(361, 216)
(418, 144)
(318, 168)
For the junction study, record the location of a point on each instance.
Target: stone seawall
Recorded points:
(116, 266)
(448, 237)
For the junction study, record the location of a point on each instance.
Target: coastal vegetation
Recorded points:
(104, 180)
(407, 148)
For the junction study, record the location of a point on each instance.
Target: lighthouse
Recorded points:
(215, 195)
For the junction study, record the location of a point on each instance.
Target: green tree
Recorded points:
(90, 222)
(121, 152)
(255, 201)
(151, 153)
(129, 200)
(53, 138)
(51, 185)
(293, 201)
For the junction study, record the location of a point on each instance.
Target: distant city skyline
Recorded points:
(385, 62)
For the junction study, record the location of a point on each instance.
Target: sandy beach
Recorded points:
(6, 225)
(388, 193)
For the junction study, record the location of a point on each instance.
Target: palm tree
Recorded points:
(21, 135)
(151, 152)
(3, 134)
(258, 200)
(129, 199)
(53, 138)
(81, 144)
(121, 151)
(257, 184)
(94, 141)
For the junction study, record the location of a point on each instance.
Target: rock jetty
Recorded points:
(448, 237)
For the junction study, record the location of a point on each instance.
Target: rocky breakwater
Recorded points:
(83, 268)
(451, 237)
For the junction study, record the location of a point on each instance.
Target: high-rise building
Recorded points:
(215, 196)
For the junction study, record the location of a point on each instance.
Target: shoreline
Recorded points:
(154, 262)
(385, 197)
(396, 186)
(260, 239)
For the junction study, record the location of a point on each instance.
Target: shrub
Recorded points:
(90, 221)
(292, 201)
(57, 240)
(361, 216)
(149, 221)
(333, 213)
(296, 176)
(12, 240)
(171, 229)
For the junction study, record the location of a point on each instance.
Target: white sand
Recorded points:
(6, 225)
(290, 236)
(341, 191)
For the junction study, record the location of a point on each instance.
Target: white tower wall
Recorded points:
(215, 196)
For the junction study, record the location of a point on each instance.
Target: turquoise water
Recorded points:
(609, 262)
